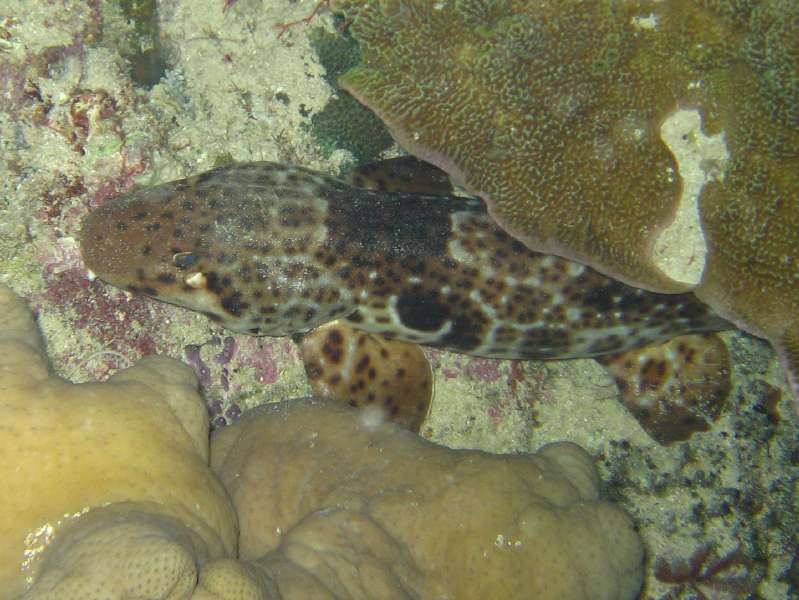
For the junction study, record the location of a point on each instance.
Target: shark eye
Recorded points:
(184, 260)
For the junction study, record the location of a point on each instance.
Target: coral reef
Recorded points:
(101, 473)
(552, 112)
(727, 528)
(75, 131)
(112, 497)
(343, 122)
(331, 503)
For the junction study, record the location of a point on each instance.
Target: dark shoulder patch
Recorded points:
(391, 225)
(422, 309)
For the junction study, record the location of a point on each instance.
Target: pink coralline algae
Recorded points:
(67, 111)
(231, 368)
(119, 324)
(484, 369)
(262, 361)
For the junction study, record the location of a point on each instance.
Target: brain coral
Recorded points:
(553, 112)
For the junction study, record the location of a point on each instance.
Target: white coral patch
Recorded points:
(680, 249)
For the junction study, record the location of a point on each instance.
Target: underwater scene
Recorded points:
(399, 299)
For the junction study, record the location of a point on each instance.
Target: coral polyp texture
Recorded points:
(332, 505)
(557, 114)
(107, 489)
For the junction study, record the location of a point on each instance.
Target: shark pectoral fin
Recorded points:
(676, 388)
(391, 379)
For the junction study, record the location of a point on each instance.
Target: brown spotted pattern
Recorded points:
(269, 249)
(674, 389)
(392, 377)
(401, 174)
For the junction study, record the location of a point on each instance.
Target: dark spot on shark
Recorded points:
(234, 305)
(213, 282)
(421, 309)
